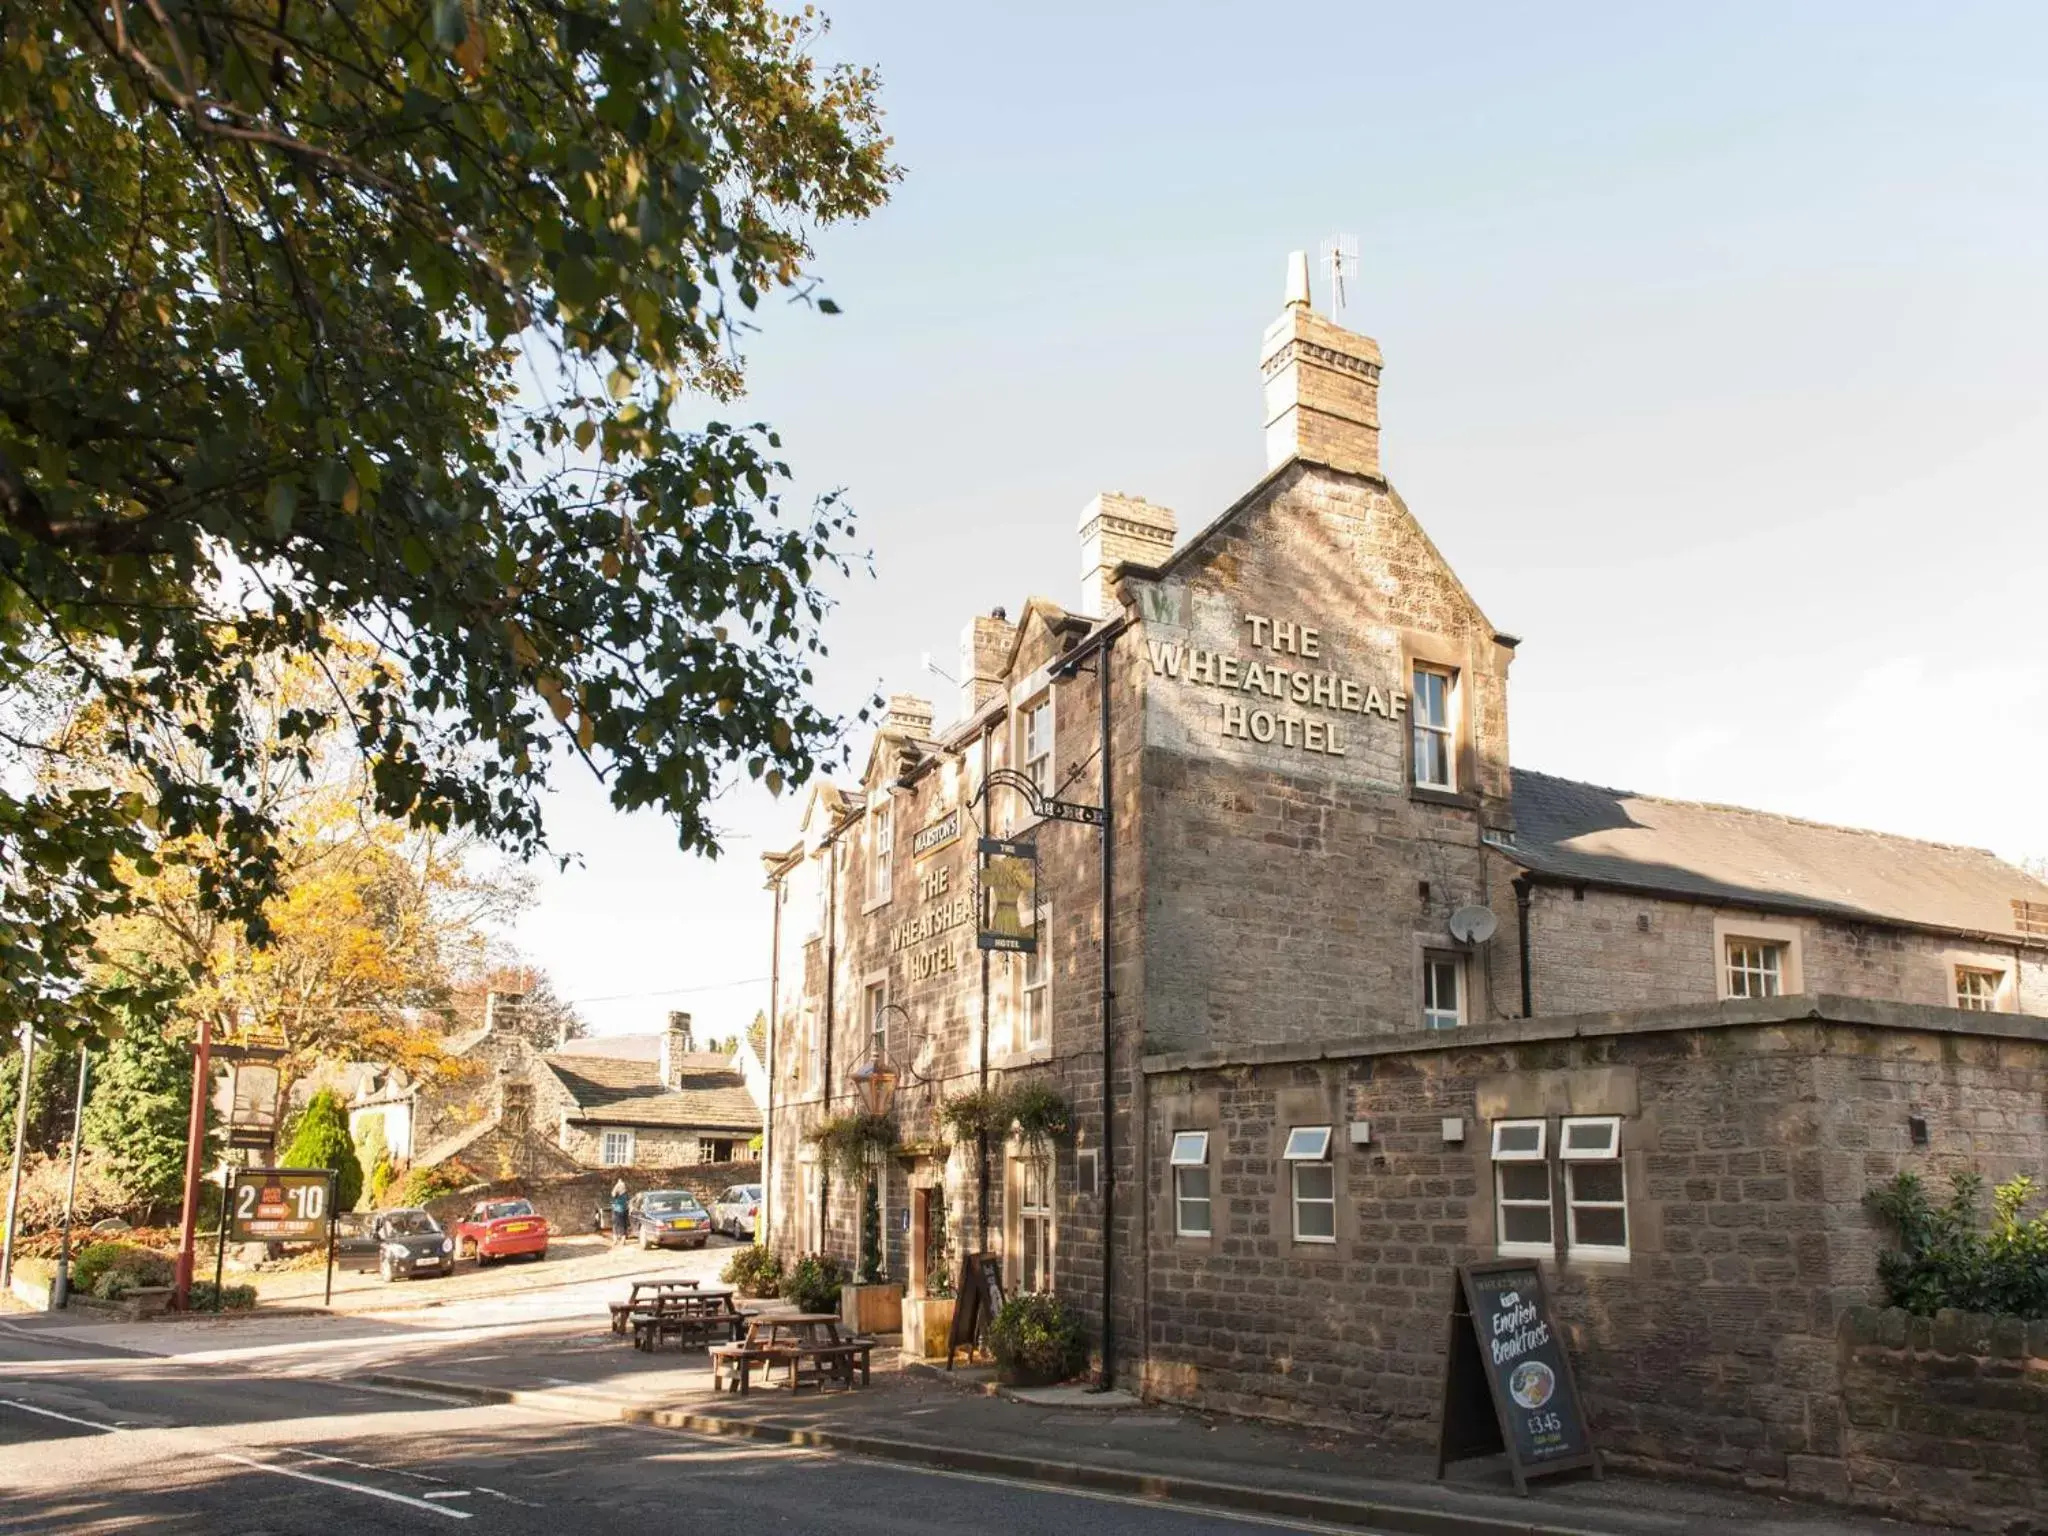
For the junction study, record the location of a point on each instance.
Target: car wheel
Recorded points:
(539, 1256)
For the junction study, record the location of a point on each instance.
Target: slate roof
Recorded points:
(610, 1091)
(1612, 837)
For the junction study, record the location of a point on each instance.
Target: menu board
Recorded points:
(976, 1303)
(1508, 1384)
(279, 1205)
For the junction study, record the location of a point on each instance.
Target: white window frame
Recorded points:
(1507, 1156)
(1190, 1149)
(1574, 1158)
(1730, 932)
(1190, 1156)
(881, 830)
(1753, 968)
(1442, 732)
(1033, 1021)
(1307, 1144)
(874, 999)
(605, 1158)
(1971, 998)
(1040, 1216)
(1434, 1015)
(1031, 750)
(814, 1052)
(1295, 1168)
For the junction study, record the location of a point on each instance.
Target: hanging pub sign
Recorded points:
(252, 1104)
(1508, 1382)
(1009, 896)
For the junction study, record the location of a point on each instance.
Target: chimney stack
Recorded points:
(675, 1045)
(984, 652)
(1116, 529)
(1322, 386)
(908, 715)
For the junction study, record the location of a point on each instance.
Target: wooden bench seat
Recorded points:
(649, 1328)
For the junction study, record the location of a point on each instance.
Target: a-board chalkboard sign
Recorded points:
(975, 1304)
(1508, 1383)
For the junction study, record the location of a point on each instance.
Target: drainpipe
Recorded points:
(1522, 890)
(831, 976)
(764, 1230)
(981, 1136)
(1108, 1030)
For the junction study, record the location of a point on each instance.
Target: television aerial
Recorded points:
(1340, 260)
(1473, 925)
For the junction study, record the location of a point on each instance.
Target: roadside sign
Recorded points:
(280, 1205)
(1508, 1383)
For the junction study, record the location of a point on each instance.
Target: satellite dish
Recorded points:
(1473, 925)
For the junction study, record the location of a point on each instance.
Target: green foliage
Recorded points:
(133, 1270)
(424, 1184)
(850, 1143)
(1040, 1112)
(977, 1112)
(870, 1232)
(96, 1260)
(382, 1177)
(1946, 1258)
(138, 1116)
(273, 277)
(813, 1283)
(231, 1298)
(321, 1140)
(1036, 1341)
(52, 1090)
(754, 1270)
(371, 1146)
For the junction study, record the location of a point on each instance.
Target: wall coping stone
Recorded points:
(1948, 1332)
(1745, 1013)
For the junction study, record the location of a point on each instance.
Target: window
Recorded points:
(1037, 744)
(1307, 1144)
(617, 1151)
(1315, 1203)
(1443, 990)
(1034, 1224)
(814, 1051)
(881, 853)
(1595, 1187)
(1756, 968)
(1979, 990)
(1034, 993)
(710, 1150)
(1191, 1206)
(876, 1010)
(1432, 700)
(1521, 1186)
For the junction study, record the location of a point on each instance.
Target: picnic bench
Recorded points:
(688, 1317)
(641, 1298)
(808, 1345)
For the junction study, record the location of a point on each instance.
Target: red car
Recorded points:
(502, 1229)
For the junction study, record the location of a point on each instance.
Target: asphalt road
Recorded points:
(95, 1441)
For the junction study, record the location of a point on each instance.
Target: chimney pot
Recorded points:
(984, 653)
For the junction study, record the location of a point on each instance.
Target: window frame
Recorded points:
(1029, 711)
(875, 1008)
(1514, 1157)
(1520, 1154)
(1761, 966)
(604, 1148)
(1182, 1172)
(1460, 1012)
(881, 851)
(1994, 1002)
(1034, 998)
(1786, 937)
(1443, 732)
(1308, 1151)
(1572, 1160)
(1028, 1215)
(1296, 1167)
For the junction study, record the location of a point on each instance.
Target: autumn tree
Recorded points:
(386, 320)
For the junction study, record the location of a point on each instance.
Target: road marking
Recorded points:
(51, 1413)
(452, 1493)
(367, 1466)
(335, 1482)
(508, 1498)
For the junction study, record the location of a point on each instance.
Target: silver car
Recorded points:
(737, 1211)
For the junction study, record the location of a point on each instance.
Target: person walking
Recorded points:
(619, 1212)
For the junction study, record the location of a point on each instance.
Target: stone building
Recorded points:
(1363, 1000)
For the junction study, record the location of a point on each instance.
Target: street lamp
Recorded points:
(875, 1081)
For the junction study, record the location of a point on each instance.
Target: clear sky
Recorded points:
(1714, 344)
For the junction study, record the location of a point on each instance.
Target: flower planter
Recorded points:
(876, 1308)
(927, 1325)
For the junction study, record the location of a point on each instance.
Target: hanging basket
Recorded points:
(851, 1144)
(1041, 1114)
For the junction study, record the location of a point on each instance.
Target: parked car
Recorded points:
(410, 1243)
(736, 1212)
(669, 1218)
(502, 1229)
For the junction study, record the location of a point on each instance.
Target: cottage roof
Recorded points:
(611, 1091)
(1612, 837)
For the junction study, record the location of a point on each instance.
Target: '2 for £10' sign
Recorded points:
(279, 1205)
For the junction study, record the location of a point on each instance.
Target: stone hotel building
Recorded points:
(1340, 997)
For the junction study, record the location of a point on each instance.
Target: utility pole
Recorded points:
(195, 1161)
(28, 1061)
(61, 1296)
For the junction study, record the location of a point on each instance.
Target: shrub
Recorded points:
(755, 1270)
(1036, 1341)
(1945, 1258)
(233, 1298)
(95, 1259)
(813, 1283)
(321, 1140)
(129, 1270)
(424, 1184)
(382, 1177)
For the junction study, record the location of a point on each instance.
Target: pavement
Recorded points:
(538, 1353)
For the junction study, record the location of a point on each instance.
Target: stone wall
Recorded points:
(570, 1203)
(1749, 1135)
(1946, 1420)
(653, 1146)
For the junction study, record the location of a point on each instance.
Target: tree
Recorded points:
(52, 1086)
(332, 322)
(528, 1004)
(321, 1140)
(138, 1112)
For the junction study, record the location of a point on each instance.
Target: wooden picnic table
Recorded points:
(689, 1316)
(809, 1344)
(622, 1311)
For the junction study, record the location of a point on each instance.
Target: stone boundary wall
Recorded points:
(1946, 1419)
(568, 1203)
